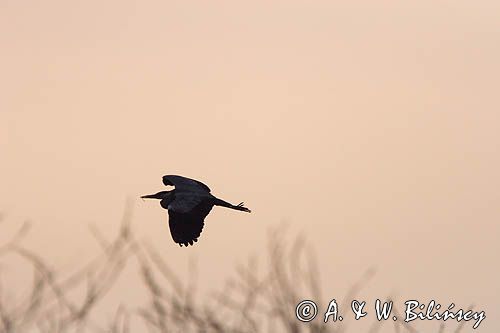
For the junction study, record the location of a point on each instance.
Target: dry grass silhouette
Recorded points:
(253, 300)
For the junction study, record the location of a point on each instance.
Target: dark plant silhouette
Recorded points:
(255, 299)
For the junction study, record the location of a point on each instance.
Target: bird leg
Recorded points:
(240, 206)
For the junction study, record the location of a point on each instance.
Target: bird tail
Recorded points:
(240, 206)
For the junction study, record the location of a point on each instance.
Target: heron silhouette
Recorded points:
(188, 204)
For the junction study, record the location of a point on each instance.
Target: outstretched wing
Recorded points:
(186, 227)
(183, 183)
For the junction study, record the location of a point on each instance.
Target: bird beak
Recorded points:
(150, 196)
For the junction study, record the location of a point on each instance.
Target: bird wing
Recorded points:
(186, 201)
(183, 183)
(186, 227)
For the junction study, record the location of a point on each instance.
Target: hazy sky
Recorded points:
(371, 127)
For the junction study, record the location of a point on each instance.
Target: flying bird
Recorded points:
(188, 204)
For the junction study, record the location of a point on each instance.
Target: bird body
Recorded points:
(188, 205)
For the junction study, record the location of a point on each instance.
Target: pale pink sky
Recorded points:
(372, 127)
